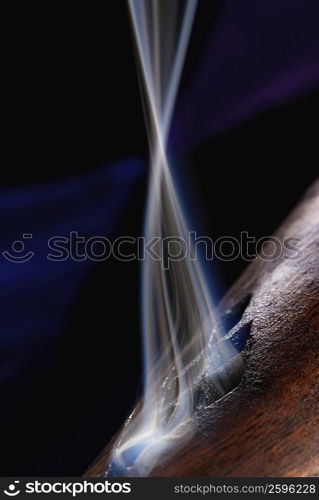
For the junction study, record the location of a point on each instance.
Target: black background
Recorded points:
(73, 104)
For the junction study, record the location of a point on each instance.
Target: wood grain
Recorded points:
(269, 424)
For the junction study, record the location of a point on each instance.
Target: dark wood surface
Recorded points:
(269, 424)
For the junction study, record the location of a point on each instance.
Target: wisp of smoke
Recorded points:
(181, 340)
